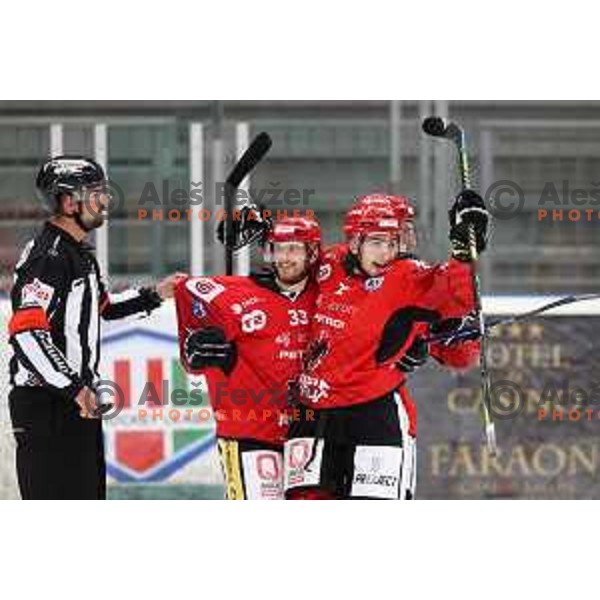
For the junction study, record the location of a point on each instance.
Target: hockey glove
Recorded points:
(251, 225)
(468, 210)
(456, 330)
(209, 348)
(415, 357)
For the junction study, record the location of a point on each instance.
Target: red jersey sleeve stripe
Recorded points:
(27, 319)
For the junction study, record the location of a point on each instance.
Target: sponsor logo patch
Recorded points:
(36, 293)
(263, 474)
(377, 472)
(254, 321)
(296, 455)
(341, 289)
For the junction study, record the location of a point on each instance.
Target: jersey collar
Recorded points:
(68, 238)
(268, 280)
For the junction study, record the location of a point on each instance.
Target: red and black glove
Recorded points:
(208, 347)
(416, 356)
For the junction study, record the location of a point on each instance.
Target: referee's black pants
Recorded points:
(60, 456)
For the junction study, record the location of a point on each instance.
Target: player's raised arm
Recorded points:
(448, 288)
(136, 302)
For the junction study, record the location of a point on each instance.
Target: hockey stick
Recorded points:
(437, 127)
(469, 332)
(252, 156)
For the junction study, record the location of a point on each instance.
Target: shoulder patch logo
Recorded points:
(36, 293)
(204, 288)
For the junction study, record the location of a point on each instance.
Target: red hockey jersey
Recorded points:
(460, 355)
(270, 331)
(362, 325)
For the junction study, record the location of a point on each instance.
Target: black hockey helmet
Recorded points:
(65, 175)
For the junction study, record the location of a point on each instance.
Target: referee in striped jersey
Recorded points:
(58, 300)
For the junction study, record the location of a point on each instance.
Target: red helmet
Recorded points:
(403, 206)
(406, 211)
(371, 215)
(295, 229)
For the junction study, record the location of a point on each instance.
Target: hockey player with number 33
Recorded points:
(247, 336)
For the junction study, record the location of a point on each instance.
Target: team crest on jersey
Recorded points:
(204, 288)
(373, 284)
(324, 272)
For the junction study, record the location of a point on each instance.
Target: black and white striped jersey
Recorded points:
(58, 299)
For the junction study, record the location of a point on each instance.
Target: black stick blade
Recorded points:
(254, 154)
(434, 126)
